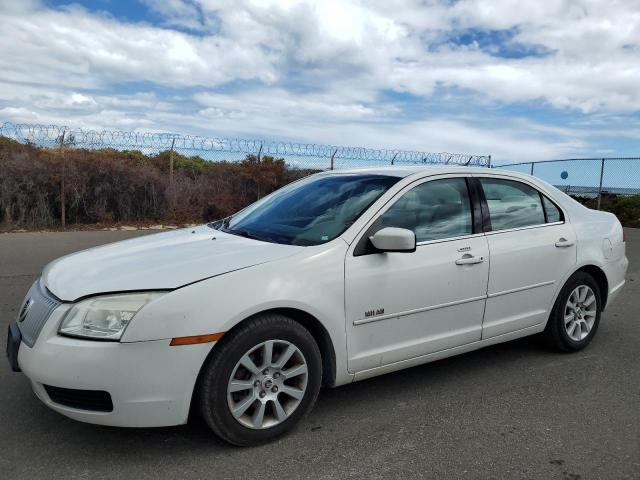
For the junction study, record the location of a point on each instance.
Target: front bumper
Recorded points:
(150, 383)
(14, 339)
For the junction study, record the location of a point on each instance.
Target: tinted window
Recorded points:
(553, 212)
(512, 204)
(433, 210)
(311, 211)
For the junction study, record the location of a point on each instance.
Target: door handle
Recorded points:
(564, 243)
(468, 259)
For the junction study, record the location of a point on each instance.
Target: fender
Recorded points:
(311, 281)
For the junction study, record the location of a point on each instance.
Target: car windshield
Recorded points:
(309, 212)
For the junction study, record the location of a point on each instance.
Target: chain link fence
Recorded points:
(587, 178)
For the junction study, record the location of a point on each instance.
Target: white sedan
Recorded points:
(335, 278)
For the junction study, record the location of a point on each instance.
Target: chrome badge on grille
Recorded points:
(25, 310)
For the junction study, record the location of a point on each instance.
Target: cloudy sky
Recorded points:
(520, 80)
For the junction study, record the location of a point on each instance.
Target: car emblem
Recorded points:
(25, 310)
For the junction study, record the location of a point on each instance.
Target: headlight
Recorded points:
(106, 317)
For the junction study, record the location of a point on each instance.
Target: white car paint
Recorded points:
(164, 261)
(424, 288)
(433, 307)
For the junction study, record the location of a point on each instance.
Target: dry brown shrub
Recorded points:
(110, 186)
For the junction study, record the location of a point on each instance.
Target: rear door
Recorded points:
(532, 248)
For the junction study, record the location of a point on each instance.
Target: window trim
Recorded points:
(449, 239)
(361, 250)
(488, 227)
(528, 227)
(485, 219)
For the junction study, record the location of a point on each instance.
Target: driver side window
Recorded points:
(434, 210)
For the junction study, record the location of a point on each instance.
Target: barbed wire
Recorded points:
(50, 135)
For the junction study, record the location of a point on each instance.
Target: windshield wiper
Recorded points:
(243, 233)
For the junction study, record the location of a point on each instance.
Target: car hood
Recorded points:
(157, 262)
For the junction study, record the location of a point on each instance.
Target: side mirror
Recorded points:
(391, 239)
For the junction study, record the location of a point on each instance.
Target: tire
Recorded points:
(280, 385)
(570, 330)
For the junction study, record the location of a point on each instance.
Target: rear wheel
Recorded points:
(260, 380)
(575, 316)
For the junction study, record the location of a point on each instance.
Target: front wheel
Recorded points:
(260, 380)
(575, 316)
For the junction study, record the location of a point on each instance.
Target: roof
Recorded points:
(397, 171)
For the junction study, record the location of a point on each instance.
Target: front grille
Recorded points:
(94, 400)
(34, 312)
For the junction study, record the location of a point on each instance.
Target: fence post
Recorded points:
(394, 157)
(63, 215)
(600, 186)
(173, 141)
(172, 188)
(532, 164)
(489, 162)
(333, 155)
(259, 153)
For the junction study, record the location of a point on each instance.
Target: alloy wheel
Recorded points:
(267, 384)
(580, 313)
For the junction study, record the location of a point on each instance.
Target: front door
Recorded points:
(404, 305)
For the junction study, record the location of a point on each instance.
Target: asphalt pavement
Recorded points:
(516, 410)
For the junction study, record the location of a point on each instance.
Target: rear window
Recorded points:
(553, 213)
(512, 204)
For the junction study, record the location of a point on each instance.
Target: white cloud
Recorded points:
(593, 62)
(323, 70)
(311, 119)
(81, 50)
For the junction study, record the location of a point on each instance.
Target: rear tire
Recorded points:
(575, 315)
(260, 380)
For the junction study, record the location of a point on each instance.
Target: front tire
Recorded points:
(260, 380)
(576, 314)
